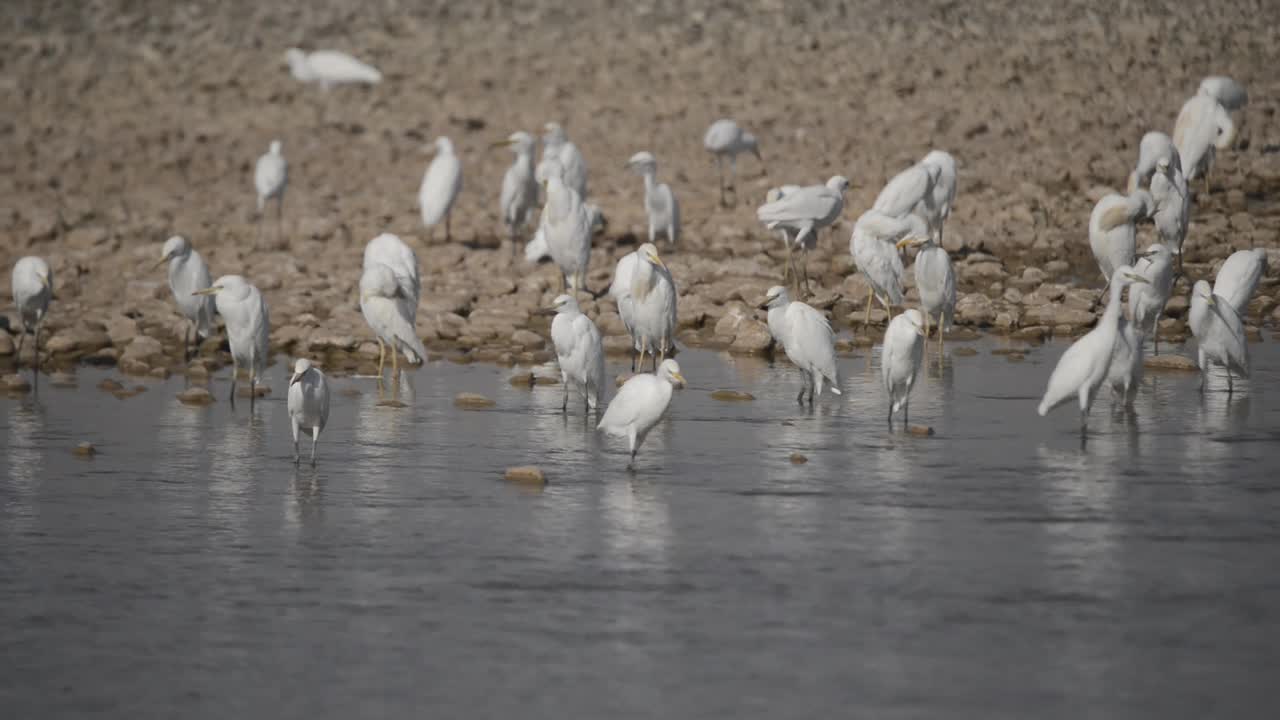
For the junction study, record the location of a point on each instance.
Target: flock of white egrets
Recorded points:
(909, 212)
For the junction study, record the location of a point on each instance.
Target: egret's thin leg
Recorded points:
(1229, 388)
(890, 414)
(315, 439)
(382, 356)
(22, 337)
(564, 405)
(280, 217)
(733, 177)
(641, 363)
(720, 169)
(395, 363)
(804, 267)
(906, 413)
(37, 341)
(926, 327)
(800, 397)
(253, 389)
(939, 341)
(186, 342)
(235, 374)
(296, 459)
(1155, 337)
(448, 226)
(871, 298)
(786, 266)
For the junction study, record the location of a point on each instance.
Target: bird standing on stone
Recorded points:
(806, 210)
(558, 149)
(936, 283)
(1147, 300)
(566, 225)
(874, 246)
(1154, 147)
(389, 291)
(187, 274)
(1172, 205)
(519, 187)
(726, 139)
(659, 201)
(646, 297)
(270, 177)
(440, 186)
(1113, 229)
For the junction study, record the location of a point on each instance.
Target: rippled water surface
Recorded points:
(996, 569)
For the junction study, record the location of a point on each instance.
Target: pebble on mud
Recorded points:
(195, 396)
(798, 459)
(84, 449)
(732, 396)
(920, 430)
(472, 401)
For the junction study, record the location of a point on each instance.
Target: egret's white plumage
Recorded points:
(1238, 278)
(329, 68)
(440, 186)
(579, 350)
(1113, 229)
(908, 189)
(519, 187)
(806, 336)
(244, 312)
(874, 249)
(646, 296)
(1085, 365)
(640, 404)
(1153, 147)
(806, 210)
(1172, 205)
(936, 283)
(308, 404)
(1219, 333)
(390, 288)
(32, 287)
(270, 178)
(1147, 300)
(1203, 127)
(1124, 375)
(536, 249)
(659, 201)
(187, 274)
(900, 361)
(726, 139)
(1229, 93)
(557, 149)
(937, 208)
(789, 242)
(566, 225)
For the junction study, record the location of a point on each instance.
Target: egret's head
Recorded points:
(554, 134)
(519, 141)
(1143, 203)
(669, 370)
(1126, 275)
(1156, 251)
(776, 297)
(174, 247)
(442, 146)
(40, 269)
(598, 220)
(643, 162)
(1162, 165)
(943, 160)
(294, 56)
(1203, 291)
(562, 304)
(753, 146)
(915, 320)
(228, 283)
(300, 368)
(649, 253)
(275, 147)
(839, 183)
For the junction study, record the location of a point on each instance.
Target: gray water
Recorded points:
(996, 569)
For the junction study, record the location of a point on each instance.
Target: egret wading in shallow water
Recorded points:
(900, 361)
(804, 211)
(1113, 229)
(1124, 375)
(519, 187)
(270, 177)
(874, 246)
(440, 186)
(579, 351)
(1147, 300)
(558, 149)
(726, 139)
(806, 336)
(659, 202)
(187, 274)
(936, 282)
(308, 404)
(245, 313)
(329, 68)
(646, 297)
(1219, 333)
(1153, 147)
(32, 286)
(1084, 366)
(1172, 204)
(566, 225)
(389, 292)
(640, 404)
(1238, 278)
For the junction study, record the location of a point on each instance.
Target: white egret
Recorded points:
(1113, 229)
(874, 249)
(639, 405)
(900, 358)
(1147, 300)
(910, 189)
(579, 350)
(936, 282)
(659, 201)
(1203, 127)
(329, 68)
(811, 241)
(270, 177)
(1219, 333)
(1084, 367)
(646, 296)
(806, 336)
(1124, 375)
(1154, 146)
(308, 404)
(726, 139)
(566, 224)
(519, 187)
(1229, 93)
(938, 210)
(440, 186)
(536, 249)
(557, 148)
(1238, 278)
(248, 333)
(1172, 203)
(32, 286)
(188, 273)
(804, 211)
(389, 291)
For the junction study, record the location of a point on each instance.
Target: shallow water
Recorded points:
(996, 569)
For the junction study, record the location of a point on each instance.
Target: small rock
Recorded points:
(1179, 363)
(62, 379)
(14, 383)
(732, 396)
(6, 344)
(109, 385)
(964, 351)
(525, 475)
(142, 348)
(324, 342)
(798, 459)
(920, 430)
(472, 401)
(528, 340)
(84, 449)
(391, 404)
(159, 373)
(195, 396)
(752, 337)
(975, 309)
(1033, 333)
(523, 380)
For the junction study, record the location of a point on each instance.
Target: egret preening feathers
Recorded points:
(1238, 277)
(579, 351)
(187, 274)
(1154, 147)
(874, 248)
(270, 177)
(1219, 333)
(803, 211)
(1204, 126)
(1147, 300)
(646, 297)
(308, 404)
(806, 336)
(558, 149)
(726, 139)
(936, 283)
(1172, 204)
(900, 358)
(659, 201)
(389, 291)
(440, 186)
(248, 333)
(566, 224)
(32, 286)
(1113, 229)
(640, 404)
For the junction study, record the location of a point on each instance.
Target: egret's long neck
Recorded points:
(1111, 317)
(650, 180)
(642, 279)
(524, 158)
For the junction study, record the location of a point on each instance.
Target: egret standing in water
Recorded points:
(32, 286)
(874, 248)
(726, 139)
(639, 405)
(1083, 368)
(804, 211)
(1238, 278)
(1172, 204)
(308, 404)
(187, 274)
(900, 358)
(659, 202)
(245, 313)
(646, 297)
(270, 177)
(1219, 333)
(1124, 375)
(1147, 300)
(440, 186)
(566, 225)
(389, 291)
(579, 351)
(519, 187)
(1113, 229)
(936, 282)
(329, 68)
(1154, 147)
(806, 336)
(558, 149)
